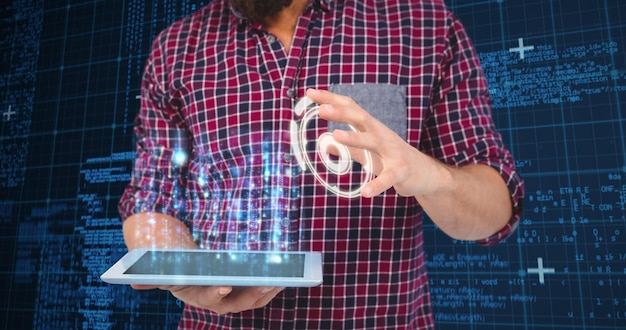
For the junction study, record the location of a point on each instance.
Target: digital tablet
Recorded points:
(207, 267)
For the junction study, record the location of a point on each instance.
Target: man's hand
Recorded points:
(220, 299)
(155, 230)
(395, 163)
(454, 197)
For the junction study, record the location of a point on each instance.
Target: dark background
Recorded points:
(70, 75)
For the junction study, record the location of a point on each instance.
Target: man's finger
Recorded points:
(378, 185)
(325, 97)
(267, 298)
(143, 286)
(246, 298)
(359, 140)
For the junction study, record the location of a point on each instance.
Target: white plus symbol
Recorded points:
(540, 270)
(8, 114)
(521, 49)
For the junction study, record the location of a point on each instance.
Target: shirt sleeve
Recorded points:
(159, 178)
(460, 129)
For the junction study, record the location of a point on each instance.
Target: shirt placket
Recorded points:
(281, 188)
(285, 70)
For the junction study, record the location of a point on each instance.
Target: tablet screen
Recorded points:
(219, 263)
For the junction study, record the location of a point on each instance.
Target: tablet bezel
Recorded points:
(312, 273)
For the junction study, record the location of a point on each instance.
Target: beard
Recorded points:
(257, 10)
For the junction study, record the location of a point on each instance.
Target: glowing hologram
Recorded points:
(325, 142)
(307, 110)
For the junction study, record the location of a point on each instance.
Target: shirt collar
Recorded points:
(324, 5)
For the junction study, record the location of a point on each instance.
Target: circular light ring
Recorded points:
(340, 167)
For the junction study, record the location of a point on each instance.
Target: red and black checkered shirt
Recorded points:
(214, 149)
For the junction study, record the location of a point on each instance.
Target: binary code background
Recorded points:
(68, 93)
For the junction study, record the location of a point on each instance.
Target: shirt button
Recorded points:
(287, 158)
(271, 39)
(291, 93)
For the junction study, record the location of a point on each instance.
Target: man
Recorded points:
(215, 170)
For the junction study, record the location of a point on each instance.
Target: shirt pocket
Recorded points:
(385, 102)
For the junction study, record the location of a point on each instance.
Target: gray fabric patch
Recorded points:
(385, 102)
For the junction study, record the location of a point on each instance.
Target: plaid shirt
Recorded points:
(214, 149)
